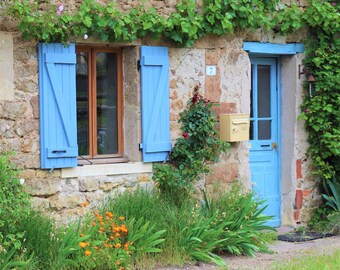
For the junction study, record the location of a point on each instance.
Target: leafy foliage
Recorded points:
(242, 221)
(321, 110)
(332, 195)
(108, 23)
(14, 204)
(230, 223)
(194, 151)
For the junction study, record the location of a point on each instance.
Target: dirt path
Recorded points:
(282, 252)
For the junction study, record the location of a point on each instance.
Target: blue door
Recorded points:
(263, 156)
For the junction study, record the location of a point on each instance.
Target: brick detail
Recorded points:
(306, 192)
(299, 169)
(297, 215)
(298, 199)
(213, 83)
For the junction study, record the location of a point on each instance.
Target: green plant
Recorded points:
(199, 239)
(315, 261)
(14, 204)
(332, 196)
(321, 110)
(319, 221)
(8, 261)
(57, 23)
(242, 219)
(194, 151)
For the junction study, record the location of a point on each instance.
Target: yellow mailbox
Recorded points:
(234, 127)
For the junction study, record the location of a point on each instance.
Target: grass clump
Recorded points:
(312, 262)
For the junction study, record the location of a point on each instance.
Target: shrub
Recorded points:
(193, 152)
(14, 204)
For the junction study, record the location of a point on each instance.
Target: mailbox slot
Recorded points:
(234, 127)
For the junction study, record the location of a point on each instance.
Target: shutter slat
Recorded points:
(155, 103)
(58, 122)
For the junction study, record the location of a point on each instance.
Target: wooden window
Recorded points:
(99, 102)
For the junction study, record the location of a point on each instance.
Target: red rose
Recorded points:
(185, 135)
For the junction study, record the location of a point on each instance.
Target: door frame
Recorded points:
(278, 119)
(285, 52)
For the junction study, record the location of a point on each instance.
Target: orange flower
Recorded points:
(81, 235)
(111, 246)
(112, 237)
(121, 218)
(118, 245)
(96, 248)
(106, 245)
(102, 223)
(117, 234)
(118, 262)
(109, 214)
(88, 253)
(82, 244)
(101, 229)
(121, 268)
(94, 223)
(85, 204)
(88, 243)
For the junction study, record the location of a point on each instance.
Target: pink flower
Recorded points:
(333, 4)
(60, 9)
(185, 135)
(307, 110)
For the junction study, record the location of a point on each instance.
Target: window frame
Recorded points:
(93, 156)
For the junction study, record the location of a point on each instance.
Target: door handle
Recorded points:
(274, 145)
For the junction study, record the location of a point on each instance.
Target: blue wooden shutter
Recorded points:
(156, 143)
(58, 123)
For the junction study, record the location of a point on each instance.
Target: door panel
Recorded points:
(263, 156)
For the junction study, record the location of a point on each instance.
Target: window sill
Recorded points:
(107, 169)
(84, 161)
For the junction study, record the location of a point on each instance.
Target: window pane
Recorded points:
(264, 132)
(82, 83)
(107, 120)
(263, 88)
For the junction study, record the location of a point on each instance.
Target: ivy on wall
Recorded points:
(321, 112)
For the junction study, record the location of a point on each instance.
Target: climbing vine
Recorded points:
(321, 108)
(48, 22)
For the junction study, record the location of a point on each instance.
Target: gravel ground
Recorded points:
(282, 252)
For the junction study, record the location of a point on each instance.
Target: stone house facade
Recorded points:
(242, 65)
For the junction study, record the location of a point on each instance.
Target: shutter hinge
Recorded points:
(138, 65)
(140, 146)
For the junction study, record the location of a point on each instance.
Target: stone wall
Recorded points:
(63, 191)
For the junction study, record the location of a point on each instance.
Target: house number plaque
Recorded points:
(210, 70)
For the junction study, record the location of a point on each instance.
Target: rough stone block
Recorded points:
(88, 185)
(69, 185)
(6, 67)
(223, 173)
(144, 178)
(60, 201)
(109, 184)
(42, 187)
(223, 108)
(35, 106)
